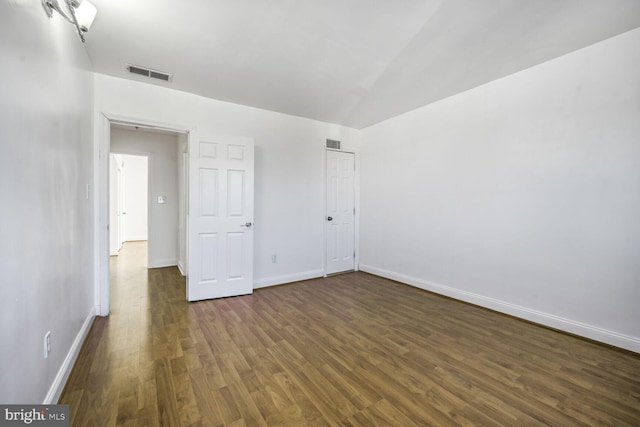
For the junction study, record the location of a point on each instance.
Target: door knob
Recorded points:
(329, 218)
(247, 224)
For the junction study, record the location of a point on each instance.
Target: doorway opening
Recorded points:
(128, 201)
(146, 215)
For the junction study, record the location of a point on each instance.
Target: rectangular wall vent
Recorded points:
(148, 72)
(138, 70)
(159, 76)
(333, 144)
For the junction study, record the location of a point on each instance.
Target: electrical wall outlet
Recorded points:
(47, 344)
(274, 258)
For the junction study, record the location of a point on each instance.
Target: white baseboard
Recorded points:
(98, 311)
(63, 373)
(140, 238)
(279, 280)
(158, 263)
(181, 268)
(567, 325)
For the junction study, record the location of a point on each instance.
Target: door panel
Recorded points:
(235, 192)
(208, 192)
(235, 243)
(221, 231)
(340, 217)
(208, 256)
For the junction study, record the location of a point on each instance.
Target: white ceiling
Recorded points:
(350, 62)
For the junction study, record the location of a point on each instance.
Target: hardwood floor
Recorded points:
(351, 350)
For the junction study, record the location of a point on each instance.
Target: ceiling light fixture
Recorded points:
(80, 13)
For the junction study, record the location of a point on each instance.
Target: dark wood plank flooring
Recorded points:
(351, 350)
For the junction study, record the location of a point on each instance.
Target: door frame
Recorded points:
(356, 204)
(116, 204)
(102, 148)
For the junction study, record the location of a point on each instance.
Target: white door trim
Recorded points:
(102, 148)
(356, 195)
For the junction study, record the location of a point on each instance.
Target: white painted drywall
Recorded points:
(46, 234)
(163, 181)
(522, 195)
(289, 167)
(135, 172)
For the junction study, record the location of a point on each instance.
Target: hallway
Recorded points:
(125, 352)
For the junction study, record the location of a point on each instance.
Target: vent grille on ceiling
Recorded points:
(333, 144)
(148, 72)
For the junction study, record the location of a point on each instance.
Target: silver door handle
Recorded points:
(247, 224)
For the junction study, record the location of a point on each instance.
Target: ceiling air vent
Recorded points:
(333, 144)
(148, 72)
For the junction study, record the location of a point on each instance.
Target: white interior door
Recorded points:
(220, 218)
(340, 217)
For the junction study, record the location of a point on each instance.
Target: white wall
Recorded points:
(135, 192)
(289, 167)
(46, 158)
(163, 181)
(522, 195)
